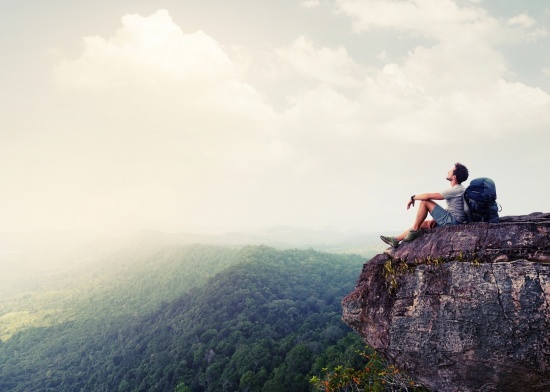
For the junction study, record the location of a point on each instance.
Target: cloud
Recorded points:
(182, 128)
(431, 18)
(452, 83)
(442, 20)
(459, 82)
(150, 63)
(191, 131)
(522, 20)
(526, 28)
(326, 65)
(146, 50)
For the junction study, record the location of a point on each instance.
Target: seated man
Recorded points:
(453, 215)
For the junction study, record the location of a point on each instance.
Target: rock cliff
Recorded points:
(462, 308)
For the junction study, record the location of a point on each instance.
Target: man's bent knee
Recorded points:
(430, 205)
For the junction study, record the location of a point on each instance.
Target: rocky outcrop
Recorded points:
(462, 308)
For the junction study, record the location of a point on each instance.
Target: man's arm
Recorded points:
(429, 196)
(424, 196)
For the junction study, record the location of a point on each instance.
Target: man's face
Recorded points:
(450, 174)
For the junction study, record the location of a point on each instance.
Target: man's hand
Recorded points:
(410, 203)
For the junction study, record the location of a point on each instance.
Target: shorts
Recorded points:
(442, 216)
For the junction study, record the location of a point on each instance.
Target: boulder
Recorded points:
(462, 308)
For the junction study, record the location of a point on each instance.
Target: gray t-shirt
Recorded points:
(455, 203)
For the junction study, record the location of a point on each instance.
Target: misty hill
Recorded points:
(46, 275)
(194, 318)
(284, 237)
(128, 279)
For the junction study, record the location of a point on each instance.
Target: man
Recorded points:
(453, 215)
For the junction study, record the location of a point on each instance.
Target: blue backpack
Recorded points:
(480, 201)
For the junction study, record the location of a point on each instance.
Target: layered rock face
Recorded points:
(462, 308)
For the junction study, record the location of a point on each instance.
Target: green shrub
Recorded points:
(375, 375)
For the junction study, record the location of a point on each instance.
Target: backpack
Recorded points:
(480, 201)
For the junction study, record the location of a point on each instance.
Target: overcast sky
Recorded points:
(207, 115)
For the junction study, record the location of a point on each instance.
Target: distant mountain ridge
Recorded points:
(281, 237)
(27, 257)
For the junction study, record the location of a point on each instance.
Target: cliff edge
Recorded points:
(462, 308)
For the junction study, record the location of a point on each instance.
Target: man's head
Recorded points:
(460, 172)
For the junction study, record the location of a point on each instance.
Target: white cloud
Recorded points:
(178, 118)
(161, 125)
(323, 64)
(146, 50)
(442, 20)
(151, 63)
(536, 34)
(428, 95)
(526, 28)
(432, 18)
(456, 83)
(522, 20)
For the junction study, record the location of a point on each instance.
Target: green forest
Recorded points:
(182, 318)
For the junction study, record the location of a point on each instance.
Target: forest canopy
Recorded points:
(192, 318)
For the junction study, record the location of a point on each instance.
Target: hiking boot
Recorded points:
(413, 234)
(391, 241)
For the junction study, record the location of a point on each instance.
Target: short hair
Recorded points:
(461, 172)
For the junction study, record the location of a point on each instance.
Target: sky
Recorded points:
(185, 116)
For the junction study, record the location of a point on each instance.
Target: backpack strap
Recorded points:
(467, 209)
